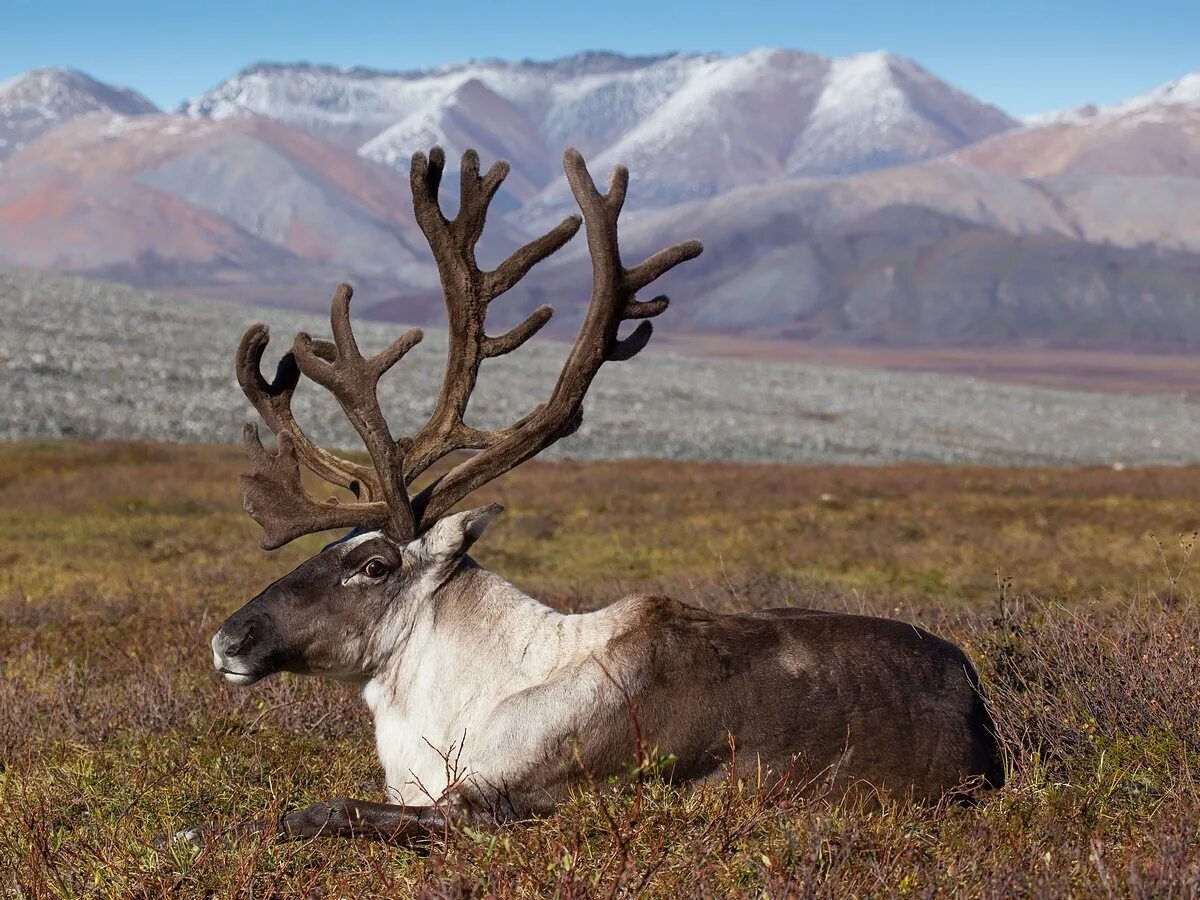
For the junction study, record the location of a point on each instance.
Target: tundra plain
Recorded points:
(116, 363)
(118, 560)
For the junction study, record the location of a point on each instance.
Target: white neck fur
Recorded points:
(481, 640)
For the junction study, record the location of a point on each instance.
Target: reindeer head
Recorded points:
(342, 611)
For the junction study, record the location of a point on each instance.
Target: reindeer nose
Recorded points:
(232, 642)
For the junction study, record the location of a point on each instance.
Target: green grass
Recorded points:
(117, 562)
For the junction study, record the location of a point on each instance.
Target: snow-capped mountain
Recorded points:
(36, 101)
(1183, 91)
(692, 124)
(472, 116)
(769, 114)
(1139, 159)
(356, 104)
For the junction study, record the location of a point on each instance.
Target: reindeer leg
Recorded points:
(345, 818)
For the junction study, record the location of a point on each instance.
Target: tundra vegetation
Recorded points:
(117, 561)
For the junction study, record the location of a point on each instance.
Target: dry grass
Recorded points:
(118, 561)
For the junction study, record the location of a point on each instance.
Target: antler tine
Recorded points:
(475, 195)
(468, 291)
(614, 287)
(275, 497)
(354, 380)
(273, 400)
(613, 300)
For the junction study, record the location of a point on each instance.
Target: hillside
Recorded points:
(691, 124)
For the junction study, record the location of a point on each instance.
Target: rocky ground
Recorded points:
(86, 359)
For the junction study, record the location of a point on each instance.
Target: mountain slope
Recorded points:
(354, 104)
(863, 260)
(1164, 141)
(1180, 92)
(1126, 175)
(160, 199)
(476, 117)
(877, 109)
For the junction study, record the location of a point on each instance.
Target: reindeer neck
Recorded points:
(482, 637)
(488, 615)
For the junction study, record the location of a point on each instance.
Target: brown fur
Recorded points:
(823, 699)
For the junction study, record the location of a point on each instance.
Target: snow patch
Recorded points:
(1153, 106)
(860, 91)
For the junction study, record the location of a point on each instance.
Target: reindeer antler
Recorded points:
(273, 492)
(613, 291)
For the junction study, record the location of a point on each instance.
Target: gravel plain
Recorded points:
(88, 359)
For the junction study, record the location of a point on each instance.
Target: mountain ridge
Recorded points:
(608, 104)
(1182, 91)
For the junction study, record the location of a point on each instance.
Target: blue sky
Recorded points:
(1027, 57)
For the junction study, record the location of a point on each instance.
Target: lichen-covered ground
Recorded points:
(117, 561)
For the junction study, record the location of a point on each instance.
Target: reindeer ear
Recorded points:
(454, 535)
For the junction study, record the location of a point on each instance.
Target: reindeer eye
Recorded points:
(375, 568)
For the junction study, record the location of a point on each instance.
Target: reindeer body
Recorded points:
(507, 703)
(488, 703)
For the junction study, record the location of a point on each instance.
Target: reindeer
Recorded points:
(457, 664)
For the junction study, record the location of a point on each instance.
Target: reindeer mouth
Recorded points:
(239, 678)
